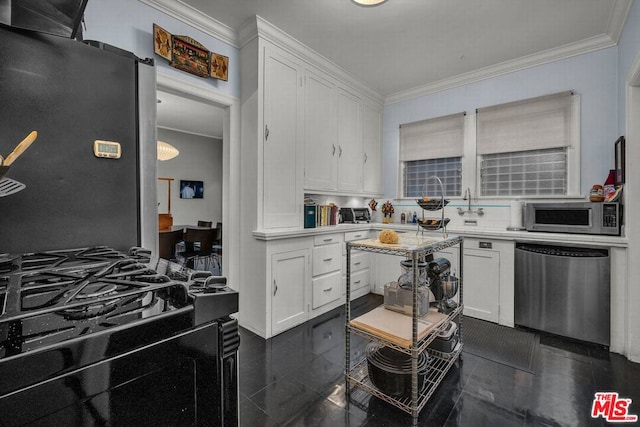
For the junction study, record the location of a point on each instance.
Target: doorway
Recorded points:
(195, 129)
(201, 118)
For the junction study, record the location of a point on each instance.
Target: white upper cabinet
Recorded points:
(282, 155)
(350, 147)
(372, 168)
(342, 138)
(320, 137)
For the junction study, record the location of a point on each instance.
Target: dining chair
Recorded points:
(216, 249)
(204, 237)
(167, 243)
(219, 235)
(205, 223)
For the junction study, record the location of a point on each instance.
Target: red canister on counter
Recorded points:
(610, 184)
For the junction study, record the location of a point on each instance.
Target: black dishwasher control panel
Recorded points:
(566, 251)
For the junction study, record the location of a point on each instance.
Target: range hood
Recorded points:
(58, 17)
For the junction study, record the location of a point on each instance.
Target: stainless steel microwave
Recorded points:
(574, 217)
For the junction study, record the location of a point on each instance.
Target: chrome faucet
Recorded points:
(467, 196)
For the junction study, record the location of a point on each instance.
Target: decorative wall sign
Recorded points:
(219, 66)
(188, 55)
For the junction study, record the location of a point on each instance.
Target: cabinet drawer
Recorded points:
(356, 235)
(359, 279)
(327, 239)
(326, 289)
(359, 261)
(326, 259)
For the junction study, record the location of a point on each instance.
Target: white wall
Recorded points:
(593, 76)
(200, 159)
(629, 52)
(128, 24)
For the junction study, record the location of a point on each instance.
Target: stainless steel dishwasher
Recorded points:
(563, 290)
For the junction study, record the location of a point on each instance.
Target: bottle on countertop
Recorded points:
(415, 218)
(403, 218)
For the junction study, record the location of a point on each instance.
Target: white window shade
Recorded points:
(432, 139)
(533, 124)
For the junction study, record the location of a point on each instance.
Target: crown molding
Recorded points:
(193, 17)
(248, 31)
(190, 89)
(572, 49)
(259, 27)
(618, 18)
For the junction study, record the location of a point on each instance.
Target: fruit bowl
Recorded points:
(432, 204)
(433, 224)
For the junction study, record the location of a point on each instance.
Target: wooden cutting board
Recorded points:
(397, 327)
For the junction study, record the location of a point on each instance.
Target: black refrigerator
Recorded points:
(74, 93)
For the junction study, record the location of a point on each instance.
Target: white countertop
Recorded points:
(465, 231)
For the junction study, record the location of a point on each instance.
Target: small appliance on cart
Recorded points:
(94, 336)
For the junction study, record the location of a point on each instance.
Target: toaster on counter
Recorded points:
(354, 215)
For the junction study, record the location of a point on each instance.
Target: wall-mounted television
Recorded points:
(191, 189)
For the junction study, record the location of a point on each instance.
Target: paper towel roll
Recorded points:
(516, 215)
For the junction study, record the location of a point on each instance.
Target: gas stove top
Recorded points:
(50, 297)
(94, 336)
(67, 258)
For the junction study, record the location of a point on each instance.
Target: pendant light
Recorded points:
(166, 151)
(368, 3)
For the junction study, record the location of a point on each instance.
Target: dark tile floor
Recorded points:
(296, 379)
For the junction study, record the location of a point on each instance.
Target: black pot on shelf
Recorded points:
(390, 370)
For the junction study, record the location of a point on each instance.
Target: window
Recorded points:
(417, 173)
(524, 147)
(525, 173)
(432, 147)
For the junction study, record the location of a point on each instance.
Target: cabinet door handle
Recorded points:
(327, 259)
(275, 287)
(327, 240)
(333, 153)
(266, 132)
(357, 263)
(357, 236)
(327, 290)
(339, 150)
(365, 157)
(356, 282)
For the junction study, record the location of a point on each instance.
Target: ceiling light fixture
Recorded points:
(166, 151)
(368, 3)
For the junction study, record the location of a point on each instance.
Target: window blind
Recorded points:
(532, 124)
(437, 138)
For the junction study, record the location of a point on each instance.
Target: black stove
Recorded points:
(67, 314)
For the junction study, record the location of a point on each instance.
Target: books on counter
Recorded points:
(320, 215)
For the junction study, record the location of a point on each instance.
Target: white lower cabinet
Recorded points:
(326, 283)
(360, 271)
(326, 289)
(359, 280)
(481, 280)
(289, 293)
(327, 258)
